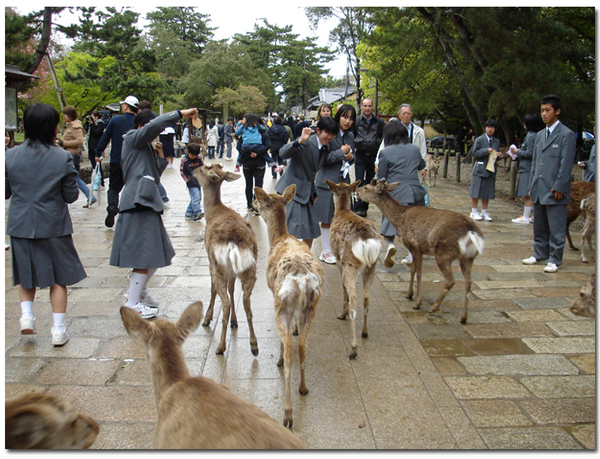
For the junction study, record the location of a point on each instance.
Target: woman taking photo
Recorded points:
(141, 241)
(41, 179)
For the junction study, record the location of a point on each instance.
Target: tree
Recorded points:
(353, 26)
(244, 99)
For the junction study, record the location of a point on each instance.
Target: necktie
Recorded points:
(547, 132)
(490, 143)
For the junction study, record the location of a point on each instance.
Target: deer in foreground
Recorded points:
(588, 208)
(445, 234)
(197, 412)
(585, 304)
(356, 245)
(295, 277)
(579, 191)
(43, 421)
(232, 250)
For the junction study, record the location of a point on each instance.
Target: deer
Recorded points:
(585, 304)
(356, 245)
(296, 278)
(196, 412)
(445, 234)
(588, 207)
(232, 251)
(579, 190)
(433, 164)
(43, 421)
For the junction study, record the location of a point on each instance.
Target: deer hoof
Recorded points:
(254, 348)
(220, 351)
(409, 296)
(463, 320)
(585, 261)
(343, 316)
(365, 335)
(280, 363)
(234, 324)
(288, 420)
(417, 306)
(353, 354)
(303, 391)
(206, 323)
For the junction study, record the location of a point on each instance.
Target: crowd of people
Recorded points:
(142, 147)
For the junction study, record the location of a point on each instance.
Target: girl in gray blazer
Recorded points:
(307, 154)
(141, 241)
(336, 169)
(483, 184)
(40, 179)
(533, 124)
(399, 161)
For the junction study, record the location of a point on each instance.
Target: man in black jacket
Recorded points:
(369, 134)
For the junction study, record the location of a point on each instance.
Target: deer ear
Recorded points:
(261, 195)
(289, 193)
(392, 186)
(231, 176)
(332, 186)
(190, 319)
(354, 185)
(136, 326)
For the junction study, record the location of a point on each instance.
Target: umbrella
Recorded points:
(587, 136)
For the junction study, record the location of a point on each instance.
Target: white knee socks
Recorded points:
(148, 277)
(136, 285)
(325, 239)
(59, 319)
(27, 308)
(527, 212)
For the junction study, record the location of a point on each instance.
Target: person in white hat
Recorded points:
(117, 127)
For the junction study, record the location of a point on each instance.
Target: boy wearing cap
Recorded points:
(117, 126)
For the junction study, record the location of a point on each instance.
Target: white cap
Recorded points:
(131, 100)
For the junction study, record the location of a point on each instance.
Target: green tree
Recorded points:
(244, 99)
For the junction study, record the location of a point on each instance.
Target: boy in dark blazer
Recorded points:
(550, 186)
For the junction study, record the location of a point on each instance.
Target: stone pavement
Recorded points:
(519, 375)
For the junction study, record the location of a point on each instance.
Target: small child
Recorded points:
(189, 163)
(250, 130)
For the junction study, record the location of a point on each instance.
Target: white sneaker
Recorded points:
(408, 260)
(550, 268)
(59, 336)
(389, 256)
(146, 312)
(149, 300)
(327, 257)
(476, 216)
(228, 159)
(530, 261)
(27, 323)
(486, 217)
(521, 219)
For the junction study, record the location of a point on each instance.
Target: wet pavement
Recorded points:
(519, 375)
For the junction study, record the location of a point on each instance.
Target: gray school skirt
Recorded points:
(483, 187)
(141, 241)
(523, 185)
(43, 263)
(302, 221)
(324, 207)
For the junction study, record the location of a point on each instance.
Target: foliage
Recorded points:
(244, 99)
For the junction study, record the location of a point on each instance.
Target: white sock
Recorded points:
(389, 240)
(59, 319)
(27, 307)
(136, 285)
(325, 239)
(474, 210)
(527, 212)
(409, 256)
(148, 277)
(484, 211)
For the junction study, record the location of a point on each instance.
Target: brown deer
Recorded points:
(295, 277)
(197, 412)
(231, 247)
(588, 208)
(433, 165)
(445, 234)
(579, 190)
(43, 421)
(585, 304)
(356, 246)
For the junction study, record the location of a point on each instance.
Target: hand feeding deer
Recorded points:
(356, 246)
(445, 234)
(197, 412)
(295, 277)
(231, 247)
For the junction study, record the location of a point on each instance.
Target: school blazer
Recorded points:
(481, 155)
(551, 165)
(141, 167)
(41, 180)
(401, 163)
(331, 170)
(306, 160)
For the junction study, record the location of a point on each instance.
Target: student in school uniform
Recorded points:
(550, 186)
(306, 155)
(483, 184)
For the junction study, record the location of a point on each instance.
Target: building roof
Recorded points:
(13, 73)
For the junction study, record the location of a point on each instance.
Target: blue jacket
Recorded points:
(117, 126)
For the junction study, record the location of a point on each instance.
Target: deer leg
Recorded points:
(368, 275)
(248, 285)
(349, 281)
(231, 289)
(209, 312)
(418, 266)
(302, 356)
(280, 362)
(446, 269)
(288, 356)
(409, 294)
(465, 267)
(344, 313)
(222, 291)
(571, 246)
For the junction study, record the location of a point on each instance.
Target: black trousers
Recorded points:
(364, 168)
(115, 185)
(254, 176)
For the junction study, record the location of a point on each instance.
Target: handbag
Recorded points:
(96, 179)
(426, 198)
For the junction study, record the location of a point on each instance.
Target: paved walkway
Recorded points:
(520, 374)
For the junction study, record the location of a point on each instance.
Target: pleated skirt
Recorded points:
(483, 187)
(141, 241)
(42, 263)
(523, 184)
(302, 221)
(324, 207)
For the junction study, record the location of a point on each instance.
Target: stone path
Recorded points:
(520, 374)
